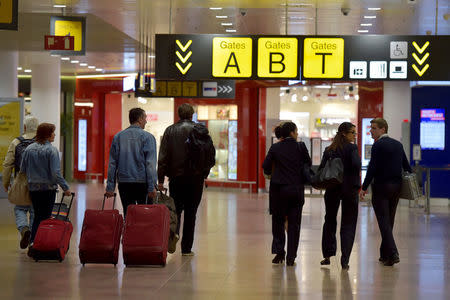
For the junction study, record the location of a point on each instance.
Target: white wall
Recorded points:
(396, 106)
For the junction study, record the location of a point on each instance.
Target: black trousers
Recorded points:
(187, 192)
(349, 216)
(133, 193)
(287, 203)
(43, 202)
(385, 200)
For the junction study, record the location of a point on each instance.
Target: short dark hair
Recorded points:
(135, 114)
(44, 132)
(185, 111)
(381, 123)
(287, 128)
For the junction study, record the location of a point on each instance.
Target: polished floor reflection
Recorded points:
(233, 259)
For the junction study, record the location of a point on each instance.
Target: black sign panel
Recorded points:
(362, 57)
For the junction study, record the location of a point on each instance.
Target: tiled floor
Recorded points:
(233, 259)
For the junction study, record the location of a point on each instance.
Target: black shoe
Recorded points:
(382, 259)
(278, 259)
(30, 251)
(325, 261)
(391, 261)
(345, 266)
(25, 240)
(290, 262)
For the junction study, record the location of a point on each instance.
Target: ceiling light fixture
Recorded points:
(74, 61)
(151, 56)
(54, 55)
(59, 6)
(98, 70)
(305, 98)
(226, 24)
(83, 64)
(370, 17)
(65, 58)
(366, 24)
(363, 31)
(19, 68)
(91, 67)
(374, 8)
(27, 71)
(215, 8)
(222, 17)
(230, 30)
(323, 86)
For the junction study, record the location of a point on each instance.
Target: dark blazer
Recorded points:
(352, 164)
(387, 161)
(287, 158)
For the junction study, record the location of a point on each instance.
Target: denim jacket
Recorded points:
(40, 162)
(132, 158)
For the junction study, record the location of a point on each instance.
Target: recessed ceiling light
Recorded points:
(231, 30)
(226, 24)
(27, 71)
(65, 58)
(215, 8)
(151, 56)
(91, 67)
(222, 17)
(363, 31)
(54, 55)
(19, 68)
(74, 61)
(370, 17)
(366, 24)
(374, 8)
(98, 70)
(59, 5)
(83, 64)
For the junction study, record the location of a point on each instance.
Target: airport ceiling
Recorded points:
(115, 27)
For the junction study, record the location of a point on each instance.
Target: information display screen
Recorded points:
(432, 129)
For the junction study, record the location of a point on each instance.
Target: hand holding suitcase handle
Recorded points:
(70, 205)
(104, 198)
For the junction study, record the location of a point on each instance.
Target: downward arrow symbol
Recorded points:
(185, 47)
(421, 61)
(420, 50)
(183, 70)
(420, 72)
(183, 59)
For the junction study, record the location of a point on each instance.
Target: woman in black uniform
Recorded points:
(343, 146)
(285, 161)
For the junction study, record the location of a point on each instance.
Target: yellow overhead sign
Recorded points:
(278, 57)
(420, 60)
(190, 88)
(232, 57)
(323, 58)
(6, 11)
(71, 28)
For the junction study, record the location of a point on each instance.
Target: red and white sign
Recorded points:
(55, 42)
(152, 117)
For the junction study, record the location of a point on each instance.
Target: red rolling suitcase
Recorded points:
(146, 235)
(100, 236)
(53, 238)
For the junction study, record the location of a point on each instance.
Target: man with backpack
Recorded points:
(186, 156)
(12, 161)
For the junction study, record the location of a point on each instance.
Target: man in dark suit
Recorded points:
(388, 159)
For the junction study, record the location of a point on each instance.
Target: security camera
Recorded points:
(243, 12)
(345, 10)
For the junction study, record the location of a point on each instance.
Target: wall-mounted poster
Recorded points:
(11, 123)
(432, 129)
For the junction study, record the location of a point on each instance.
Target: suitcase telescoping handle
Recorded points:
(70, 205)
(114, 201)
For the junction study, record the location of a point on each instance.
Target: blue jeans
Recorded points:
(21, 212)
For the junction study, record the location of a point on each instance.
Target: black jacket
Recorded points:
(352, 165)
(173, 152)
(287, 158)
(387, 161)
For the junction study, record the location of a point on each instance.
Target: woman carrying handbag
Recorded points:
(343, 147)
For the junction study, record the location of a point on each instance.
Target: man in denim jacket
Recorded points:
(132, 161)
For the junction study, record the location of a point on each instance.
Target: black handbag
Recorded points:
(330, 175)
(307, 172)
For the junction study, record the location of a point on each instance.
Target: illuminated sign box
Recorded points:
(432, 129)
(70, 26)
(8, 14)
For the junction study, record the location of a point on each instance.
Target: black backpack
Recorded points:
(20, 148)
(201, 152)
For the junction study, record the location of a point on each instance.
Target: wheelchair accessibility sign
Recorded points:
(399, 50)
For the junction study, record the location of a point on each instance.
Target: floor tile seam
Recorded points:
(172, 276)
(222, 287)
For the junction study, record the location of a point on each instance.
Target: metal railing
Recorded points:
(428, 184)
